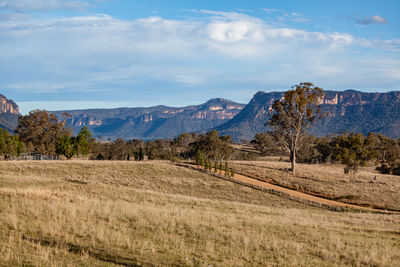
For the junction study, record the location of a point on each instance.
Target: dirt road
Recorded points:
(295, 195)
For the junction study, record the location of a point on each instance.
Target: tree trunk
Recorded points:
(293, 154)
(293, 160)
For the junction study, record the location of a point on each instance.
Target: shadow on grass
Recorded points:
(94, 253)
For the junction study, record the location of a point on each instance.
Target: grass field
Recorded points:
(154, 213)
(366, 188)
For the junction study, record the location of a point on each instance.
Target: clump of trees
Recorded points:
(213, 152)
(210, 150)
(42, 132)
(185, 146)
(386, 151)
(182, 144)
(354, 150)
(268, 144)
(69, 146)
(119, 149)
(10, 145)
(213, 146)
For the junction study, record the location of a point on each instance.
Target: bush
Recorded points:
(396, 170)
(384, 169)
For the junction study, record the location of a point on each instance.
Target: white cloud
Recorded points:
(379, 19)
(370, 20)
(89, 55)
(233, 28)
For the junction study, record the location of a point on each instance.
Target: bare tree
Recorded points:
(293, 114)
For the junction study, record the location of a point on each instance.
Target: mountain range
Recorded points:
(349, 110)
(152, 122)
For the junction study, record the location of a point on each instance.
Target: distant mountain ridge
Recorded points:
(9, 113)
(348, 110)
(152, 122)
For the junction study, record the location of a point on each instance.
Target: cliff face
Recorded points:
(9, 114)
(153, 122)
(8, 106)
(349, 110)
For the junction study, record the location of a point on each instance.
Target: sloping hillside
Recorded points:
(105, 213)
(349, 110)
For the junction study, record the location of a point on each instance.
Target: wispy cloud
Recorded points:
(42, 5)
(293, 17)
(371, 20)
(390, 45)
(270, 10)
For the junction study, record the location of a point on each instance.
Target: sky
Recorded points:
(77, 54)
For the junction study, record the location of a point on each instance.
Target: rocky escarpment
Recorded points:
(153, 122)
(348, 110)
(8, 106)
(9, 113)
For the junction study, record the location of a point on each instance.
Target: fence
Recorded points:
(36, 156)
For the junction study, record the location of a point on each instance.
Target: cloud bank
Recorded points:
(226, 54)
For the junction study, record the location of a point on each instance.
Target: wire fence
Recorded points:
(36, 156)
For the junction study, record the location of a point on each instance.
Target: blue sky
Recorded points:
(57, 54)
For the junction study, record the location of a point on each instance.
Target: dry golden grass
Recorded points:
(155, 213)
(367, 187)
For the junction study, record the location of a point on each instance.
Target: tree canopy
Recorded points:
(293, 114)
(83, 141)
(353, 150)
(213, 146)
(41, 131)
(10, 145)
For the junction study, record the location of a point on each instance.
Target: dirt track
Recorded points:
(296, 195)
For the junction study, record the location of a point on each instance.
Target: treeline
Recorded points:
(42, 132)
(185, 146)
(352, 149)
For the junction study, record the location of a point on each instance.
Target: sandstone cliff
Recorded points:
(9, 114)
(348, 110)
